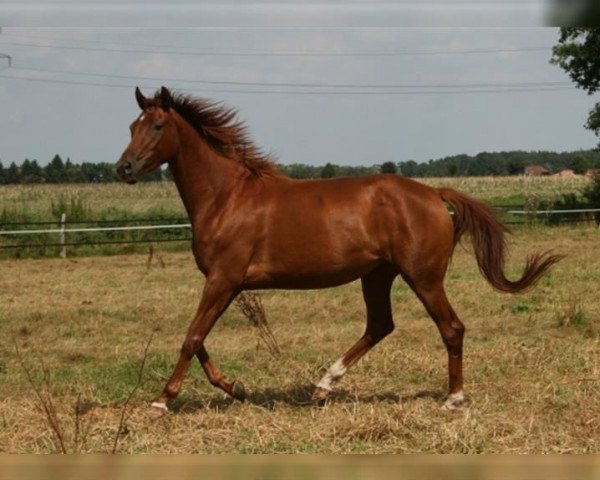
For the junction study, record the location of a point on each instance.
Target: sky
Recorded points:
(351, 83)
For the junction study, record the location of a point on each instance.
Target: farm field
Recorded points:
(532, 362)
(102, 201)
(23, 207)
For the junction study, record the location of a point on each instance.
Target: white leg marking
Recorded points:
(159, 405)
(335, 372)
(453, 401)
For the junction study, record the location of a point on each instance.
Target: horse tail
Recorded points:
(487, 234)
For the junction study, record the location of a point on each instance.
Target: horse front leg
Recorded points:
(216, 297)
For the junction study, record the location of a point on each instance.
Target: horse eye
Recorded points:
(158, 126)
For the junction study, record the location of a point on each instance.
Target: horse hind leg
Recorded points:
(376, 287)
(452, 331)
(215, 377)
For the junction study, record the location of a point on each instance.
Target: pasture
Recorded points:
(102, 201)
(532, 370)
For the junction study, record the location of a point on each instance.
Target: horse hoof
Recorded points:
(238, 391)
(453, 402)
(320, 394)
(158, 410)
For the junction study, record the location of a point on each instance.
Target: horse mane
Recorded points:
(219, 126)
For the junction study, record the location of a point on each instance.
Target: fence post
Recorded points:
(63, 249)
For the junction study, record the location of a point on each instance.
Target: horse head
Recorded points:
(154, 138)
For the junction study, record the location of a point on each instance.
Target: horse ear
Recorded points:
(139, 96)
(166, 100)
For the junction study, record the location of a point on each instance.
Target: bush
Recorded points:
(74, 207)
(568, 201)
(592, 194)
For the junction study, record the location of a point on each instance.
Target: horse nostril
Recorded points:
(125, 168)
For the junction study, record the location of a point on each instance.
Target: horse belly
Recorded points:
(311, 262)
(306, 275)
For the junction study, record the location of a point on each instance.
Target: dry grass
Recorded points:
(531, 362)
(136, 199)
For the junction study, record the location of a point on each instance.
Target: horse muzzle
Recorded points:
(127, 170)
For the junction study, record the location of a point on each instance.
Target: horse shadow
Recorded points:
(299, 396)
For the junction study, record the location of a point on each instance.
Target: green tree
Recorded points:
(388, 167)
(73, 172)
(515, 166)
(300, 170)
(593, 192)
(106, 172)
(592, 195)
(328, 171)
(578, 54)
(13, 174)
(408, 168)
(31, 172)
(354, 170)
(571, 13)
(3, 175)
(55, 170)
(580, 164)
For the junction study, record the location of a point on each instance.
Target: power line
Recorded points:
(257, 51)
(304, 85)
(65, 82)
(505, 89)
(290, 53)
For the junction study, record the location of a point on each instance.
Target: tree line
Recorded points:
(61, 171)
(482, 164)
(502, 164)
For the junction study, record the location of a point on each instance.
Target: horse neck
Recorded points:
(204, 178)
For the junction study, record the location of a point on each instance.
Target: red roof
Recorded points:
(536, 170)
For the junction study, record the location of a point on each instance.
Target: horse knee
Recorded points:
(452, 335)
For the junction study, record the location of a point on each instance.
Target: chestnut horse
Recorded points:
(254, 228)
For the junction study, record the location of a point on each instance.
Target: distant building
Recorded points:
(566, 173)
(536, 171)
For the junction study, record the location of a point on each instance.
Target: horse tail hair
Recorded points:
(487, 234)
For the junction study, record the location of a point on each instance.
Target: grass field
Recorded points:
(532, 369)
(134, 204)
(102, 201)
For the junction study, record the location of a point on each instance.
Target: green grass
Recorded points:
(101, 204)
